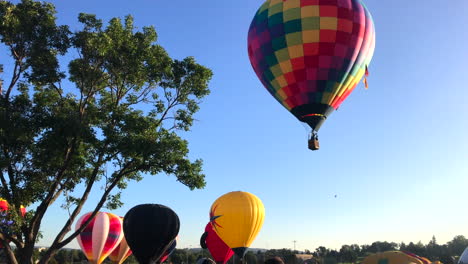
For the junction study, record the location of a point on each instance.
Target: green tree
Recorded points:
(121, 118)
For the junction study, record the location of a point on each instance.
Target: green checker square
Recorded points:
(276, 71)
(279, 43)
(273, 10)
(275, 85)
(262, 15)
(293, 26)
(294, 39)
(311, 23)
(292, 14)
(271, 60)
(275, 19)
(282, 55)
(267, 74)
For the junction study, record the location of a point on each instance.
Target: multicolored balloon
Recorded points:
(220, 252)
(149, 229)
(237, 218)
(5, 207)
(121, 252)
(311, 54)
(100, 237)
(168, 252)
(395, 257)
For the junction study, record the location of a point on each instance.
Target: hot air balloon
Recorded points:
(6, 221)
(149, 229)
(311, 54)
(100, 237)
(395, 257)
(220, 252)
(237, 217)
(168, 252)
(5, 207)
(121, 252)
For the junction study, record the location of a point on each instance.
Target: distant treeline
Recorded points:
(447, 253)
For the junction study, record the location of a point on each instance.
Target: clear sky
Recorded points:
(395, 155)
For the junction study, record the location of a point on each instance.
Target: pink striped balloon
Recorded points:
(100, 237)
(121, 252)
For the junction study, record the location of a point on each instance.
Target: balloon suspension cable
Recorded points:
(313, 141)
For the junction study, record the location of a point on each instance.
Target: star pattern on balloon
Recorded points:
(213, 218)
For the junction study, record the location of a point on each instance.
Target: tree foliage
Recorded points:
(117, 118)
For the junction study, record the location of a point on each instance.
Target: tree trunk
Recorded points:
(25, 254)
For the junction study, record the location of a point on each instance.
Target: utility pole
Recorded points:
(294, 241)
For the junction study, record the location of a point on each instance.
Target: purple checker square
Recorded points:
(325, 62)
(345, 3)
(322, 74)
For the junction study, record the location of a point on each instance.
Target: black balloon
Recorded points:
(149, 230)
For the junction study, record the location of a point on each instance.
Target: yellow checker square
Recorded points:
(326, 97)
(275, 9)
(292, 14)
(291, 4)
(293, 39)
(286, 66)
(276, 70)
(263, 7)
(311, 36)
(282, 94)
(274, 2)
(282, 81)
(296, 51)
(328, 23)
(275, 84)
(310, 11)
(282, 55)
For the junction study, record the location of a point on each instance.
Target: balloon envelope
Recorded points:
(310, 55)
(394, 257)
(237, 217)
(169, 251)
(220, 252)
(149, 229)
(100, 237)
(121, 252)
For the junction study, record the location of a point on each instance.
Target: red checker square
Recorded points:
(289, 77)
(311, 61)
(300, 75)
(328, 2)
(309, 2)
(301, 99)
(341, 50)
(345, 25)
(345, 3)
(298, 63)
(294, 88)
(343, 38)
(328, 11)
(287, 91)
(328, 36)
(291, 101)
(322, 74)
(327, 49)
(311, 49)
(302, 86)
(325, 62)
(345, 13)
(311, 74)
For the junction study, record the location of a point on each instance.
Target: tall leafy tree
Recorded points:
(119, 117)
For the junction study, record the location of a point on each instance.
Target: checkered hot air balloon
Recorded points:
(100, 237)
(311, 54)
(121, 252)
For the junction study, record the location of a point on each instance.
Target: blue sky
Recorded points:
(395, 155)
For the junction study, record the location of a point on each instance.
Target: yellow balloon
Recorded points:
(237, 217)
(394, 257)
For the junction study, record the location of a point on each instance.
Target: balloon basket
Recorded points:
(313, 141)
